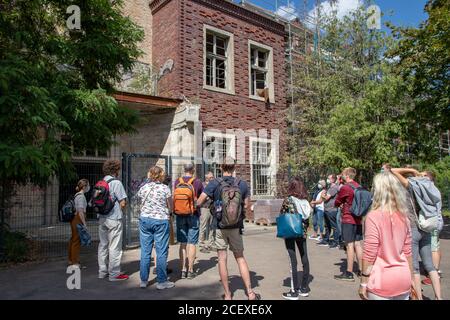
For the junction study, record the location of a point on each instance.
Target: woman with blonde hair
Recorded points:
(387, 271)
(80, 202)
(156, 205)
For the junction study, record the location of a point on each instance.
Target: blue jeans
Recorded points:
(154, 231)
(339, 224)
(318, 220)
(331, 217)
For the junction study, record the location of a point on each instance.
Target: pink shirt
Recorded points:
(387, 244)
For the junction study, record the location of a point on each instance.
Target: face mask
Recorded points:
(87, 189)
(319, 186)
(328, 181)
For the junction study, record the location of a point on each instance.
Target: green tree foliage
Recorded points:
(351, 108)
(423, 56)
(57, 82)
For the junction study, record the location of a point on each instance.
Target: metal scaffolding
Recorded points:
(302, 29)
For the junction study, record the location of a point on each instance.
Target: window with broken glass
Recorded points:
(259, 69)
(216, 60)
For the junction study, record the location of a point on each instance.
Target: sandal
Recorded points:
(223, 297)
(257, 297)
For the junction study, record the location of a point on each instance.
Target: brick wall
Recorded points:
(178, 33)
(166, 46)
(140, 13)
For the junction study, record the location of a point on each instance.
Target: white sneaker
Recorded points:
(143, 284)
(165, 285)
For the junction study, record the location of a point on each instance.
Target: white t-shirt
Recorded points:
(303, 207)
(80, 202)
(117, 192)
(321, 205)
(153, 200)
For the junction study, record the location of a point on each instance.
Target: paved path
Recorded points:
(265, 254)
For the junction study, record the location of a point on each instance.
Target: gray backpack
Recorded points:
(362, 201)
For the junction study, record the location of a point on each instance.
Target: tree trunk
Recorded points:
(2, 220)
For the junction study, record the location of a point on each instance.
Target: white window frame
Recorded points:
(273, 168)
(229, 63)
(270, 79)
(226, 136)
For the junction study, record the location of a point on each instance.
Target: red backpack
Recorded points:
(102, 201)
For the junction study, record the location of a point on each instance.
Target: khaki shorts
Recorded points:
(229, 237)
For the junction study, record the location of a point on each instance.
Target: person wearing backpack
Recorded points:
(435, 243)
(352, 233)
(79, 206)
(410, 178)
(186, 190)
(231, 199)
(108, 200)
(298, 197)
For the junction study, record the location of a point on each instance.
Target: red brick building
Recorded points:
(224, 55)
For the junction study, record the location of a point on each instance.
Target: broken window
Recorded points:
(259, 69)
(216, 60)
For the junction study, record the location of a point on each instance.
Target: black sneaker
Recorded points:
(191, 275)
(304, 292)
(184, 274)
(291, 295)
(334, 246)
(323, 243)
(345, 276)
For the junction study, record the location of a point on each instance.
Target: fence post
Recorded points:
(127, 209)
(2, 222)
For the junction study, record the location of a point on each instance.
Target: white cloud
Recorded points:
(342, 8)
(287, 12)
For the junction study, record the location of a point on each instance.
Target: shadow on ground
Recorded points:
(287, 281)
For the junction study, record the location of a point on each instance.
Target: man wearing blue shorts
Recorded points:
(188, 228)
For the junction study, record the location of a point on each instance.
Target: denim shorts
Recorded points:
(188, 229)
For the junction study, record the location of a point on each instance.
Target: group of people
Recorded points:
(386, 243)
(194, 222)
(402, 225)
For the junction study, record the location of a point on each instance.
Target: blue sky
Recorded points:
(400, 12)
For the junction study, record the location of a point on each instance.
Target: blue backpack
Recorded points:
(362, 201)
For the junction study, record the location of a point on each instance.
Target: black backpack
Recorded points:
(362, 201)
(67, 211)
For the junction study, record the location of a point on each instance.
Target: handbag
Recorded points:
(289, 223)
